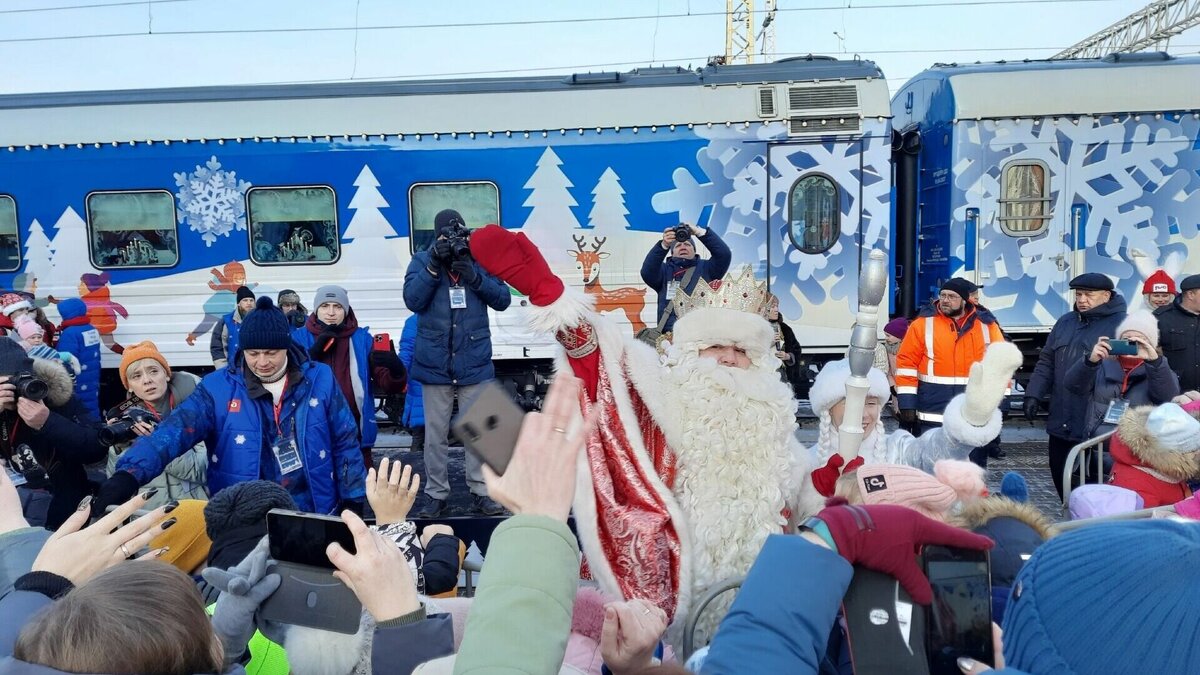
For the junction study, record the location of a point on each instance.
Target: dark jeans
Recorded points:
(978, 455)
(1059, 448)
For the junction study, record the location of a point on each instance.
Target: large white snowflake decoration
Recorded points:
(211, 200)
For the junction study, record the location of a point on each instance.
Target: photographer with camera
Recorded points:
(152, 392)
(47, 436)
(452, 355)
(682, 267)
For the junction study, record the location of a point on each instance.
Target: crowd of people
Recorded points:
(659, 467)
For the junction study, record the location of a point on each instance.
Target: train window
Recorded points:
(814, 213)
(132, 228)
(293, 225)
(1024, 198)
(477, 201)
(10, 237)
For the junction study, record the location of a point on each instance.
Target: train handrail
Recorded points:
(1070, 465)
(693, 617)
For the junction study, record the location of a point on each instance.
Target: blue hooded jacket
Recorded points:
(82, 341)
(414, 403)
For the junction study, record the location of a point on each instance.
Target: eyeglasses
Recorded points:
(948, 296)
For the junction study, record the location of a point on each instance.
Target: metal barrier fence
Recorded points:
(1073, 457)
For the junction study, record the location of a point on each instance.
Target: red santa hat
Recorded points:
(1159, 282)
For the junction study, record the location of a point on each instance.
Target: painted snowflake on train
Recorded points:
(736, 185)
(212, 200)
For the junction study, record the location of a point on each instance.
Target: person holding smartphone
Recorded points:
(1114, 382)
(332, 336)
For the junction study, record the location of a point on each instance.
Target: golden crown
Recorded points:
(742, 293)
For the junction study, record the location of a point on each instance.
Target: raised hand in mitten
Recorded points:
(465, 270)
(244, 588)
(825, 478)
(988, 381)
(886, 538)
(512, 258)
(321, 345)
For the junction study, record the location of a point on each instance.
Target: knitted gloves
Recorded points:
(243, 588)
(887, 538)
(514, 259)
(988, 381)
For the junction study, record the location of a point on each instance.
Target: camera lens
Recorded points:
(683, 233)
(120, 431)
(32, 389)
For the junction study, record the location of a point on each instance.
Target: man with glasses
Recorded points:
(935, 357)
(1097, 313)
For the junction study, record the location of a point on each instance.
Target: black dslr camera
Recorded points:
(126, 415)
(459, 237)
(29, 386)
(682, 233)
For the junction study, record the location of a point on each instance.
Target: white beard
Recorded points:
(730, 430)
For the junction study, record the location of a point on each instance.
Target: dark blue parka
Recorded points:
(658, 273)
(1073, 336)
(414, 402)
(453, 346)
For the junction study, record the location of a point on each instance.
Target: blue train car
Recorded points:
(1022, 175)
(155, 205)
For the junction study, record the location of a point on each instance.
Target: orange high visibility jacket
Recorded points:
(935, 358)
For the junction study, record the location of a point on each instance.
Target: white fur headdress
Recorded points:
(732, 312)
(829, 386)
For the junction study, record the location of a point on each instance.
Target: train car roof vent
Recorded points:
(1136, 57)
(604, 77)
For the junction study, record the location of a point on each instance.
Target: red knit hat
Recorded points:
(1159, 282)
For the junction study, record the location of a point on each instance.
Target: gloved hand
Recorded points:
(244, 588)
(465, 269)
(825, 478)
(989, 378)
(118, 489)
(441, 253)
(907, 416)
(514, 259)
(387, 359)
(886, 538)
(321, 345)
(1031, 407)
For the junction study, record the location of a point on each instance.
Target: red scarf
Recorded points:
(77, 321)
(337, 356)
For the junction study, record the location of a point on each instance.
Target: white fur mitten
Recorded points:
(988, 381)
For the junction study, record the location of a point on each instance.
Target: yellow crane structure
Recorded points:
(742, 43)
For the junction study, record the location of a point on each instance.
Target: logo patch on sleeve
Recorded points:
(874, 483)
(235, 405)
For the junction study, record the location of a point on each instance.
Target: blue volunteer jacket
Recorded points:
(362, 344)
(414, 402)
(83, 342)
(233, 426)
(453, 346)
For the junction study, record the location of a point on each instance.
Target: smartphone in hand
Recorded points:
(1122, 348)
(383, 342)
(309, 594)
(960, 619)
(489, 427)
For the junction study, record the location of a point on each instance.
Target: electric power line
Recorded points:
(63, 8)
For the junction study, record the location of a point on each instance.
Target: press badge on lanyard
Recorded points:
(1115, 410)
(458, 297)
(287, 453)
(672, 287)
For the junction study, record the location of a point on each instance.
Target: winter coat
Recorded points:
(658, 273)
(1018, 530)
(81, 340)
(790, 371)
(361, 345)
(414, 404)
(1071, 339)
(936, 356)
(1099, 384)
(453, 346)
(64, 446)
(235, 429)
(223, 347)
(521, 616)
(18, 549)
(1140, 463)
(1179, 335)
(186, 476)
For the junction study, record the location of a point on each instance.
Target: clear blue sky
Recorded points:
(902, 40)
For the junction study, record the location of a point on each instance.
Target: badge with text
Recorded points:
(672, 287)
(458, 297)
(1115, 410)
(287, 455)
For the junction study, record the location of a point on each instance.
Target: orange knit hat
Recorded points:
(135, 353)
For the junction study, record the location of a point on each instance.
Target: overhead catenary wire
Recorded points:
(101, 5)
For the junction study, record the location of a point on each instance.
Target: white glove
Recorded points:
(989, 378)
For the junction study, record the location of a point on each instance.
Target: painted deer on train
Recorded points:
(627, 299)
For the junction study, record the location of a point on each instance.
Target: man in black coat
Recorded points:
(1179, 328)
(46, 443)
(1098, 311)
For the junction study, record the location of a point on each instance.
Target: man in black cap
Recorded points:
(959, 334)
(1179, 333)
(452, 355)
(1097, 313)
(273, 414)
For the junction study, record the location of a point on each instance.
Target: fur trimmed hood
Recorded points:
(1174, 463)
(56, 377)
(978, 513)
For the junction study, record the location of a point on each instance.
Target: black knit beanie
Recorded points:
(963, 287)
(244, 504)
(243, 293)
(265, 327)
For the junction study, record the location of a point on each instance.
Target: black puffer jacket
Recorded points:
(1179, 332)
(1151, 383)
(1073, 336)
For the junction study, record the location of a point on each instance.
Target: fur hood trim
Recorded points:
(1172, 463)
(60, 383)
(705, 327)
(571, 308)
(978, 513)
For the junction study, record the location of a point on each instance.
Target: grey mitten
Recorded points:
(243, 588)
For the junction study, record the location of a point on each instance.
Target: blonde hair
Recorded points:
(846, 487)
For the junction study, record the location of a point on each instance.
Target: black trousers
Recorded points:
(978, 455)
(1058, 449)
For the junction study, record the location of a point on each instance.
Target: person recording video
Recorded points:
(452, 355)
(682, 266)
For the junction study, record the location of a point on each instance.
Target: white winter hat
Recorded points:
(829, 386)
(1173, 428)
(1143, 322)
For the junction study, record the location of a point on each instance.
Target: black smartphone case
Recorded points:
(875, 629)
(490, 426)
(312, 597)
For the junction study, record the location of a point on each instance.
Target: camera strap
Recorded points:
(670, 311)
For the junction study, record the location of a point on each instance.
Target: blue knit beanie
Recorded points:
(71, 308)
(1117, 597)
(265, 327)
